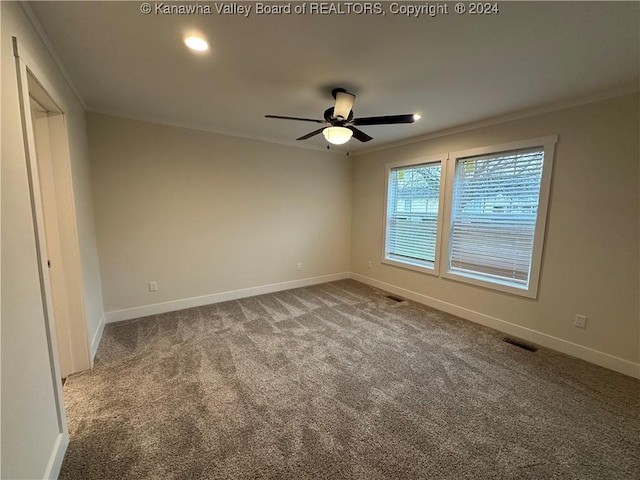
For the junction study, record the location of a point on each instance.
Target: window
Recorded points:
(493, 219)
(497, 213)
(413, 213)
(493, 211)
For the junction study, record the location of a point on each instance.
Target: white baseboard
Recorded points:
(155, 309)
(585, 353)
(57, 455)
(95, 341)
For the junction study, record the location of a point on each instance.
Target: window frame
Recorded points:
(417, 266)
(531, 291)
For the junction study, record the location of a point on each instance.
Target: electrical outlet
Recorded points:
(299, 267)
(153, 286)
(369, 264)
(580, 321)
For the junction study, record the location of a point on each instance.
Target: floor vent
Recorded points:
(395, 299)
(520, 344)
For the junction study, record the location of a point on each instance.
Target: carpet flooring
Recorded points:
(336, 381)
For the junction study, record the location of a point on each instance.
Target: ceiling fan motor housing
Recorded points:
(336, 122)
(345, 120)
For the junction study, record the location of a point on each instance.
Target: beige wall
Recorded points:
(29, 420)
(202, 213)
(591, 262)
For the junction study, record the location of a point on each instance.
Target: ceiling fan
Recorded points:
(341, 124)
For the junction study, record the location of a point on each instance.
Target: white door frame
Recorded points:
(67, 257)
(31, 84)
(45, 288)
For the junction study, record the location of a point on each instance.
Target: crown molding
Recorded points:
(496, 120)
(37, 26)
(531, 112)
(595, 97)
(227, 133)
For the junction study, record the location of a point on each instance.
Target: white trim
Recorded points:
(57, 456)
(146, 310)
(622, 91)
(465, 127)
(38, 87)
(415, 266)
(334, 150)
(531, 291)
(442, 160)
(558, 344)
(22, 60)
(95, 341)
(626, 89)
(584, 353)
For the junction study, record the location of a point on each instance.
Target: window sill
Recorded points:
(422, 267)
(502, 286)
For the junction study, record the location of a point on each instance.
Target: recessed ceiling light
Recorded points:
(416, 117)
(196, 43)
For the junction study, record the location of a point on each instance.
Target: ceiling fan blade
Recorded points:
(295, 118)
(384, 120)
(309, 135)
(359, 134)
(344, 104)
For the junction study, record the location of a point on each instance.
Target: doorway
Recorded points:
(53, 188)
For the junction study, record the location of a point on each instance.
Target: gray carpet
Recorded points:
(336, 381)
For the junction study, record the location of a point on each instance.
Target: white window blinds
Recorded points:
(412, 214)
(493, 216)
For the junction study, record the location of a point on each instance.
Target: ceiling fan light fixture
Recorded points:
(344, 103)
(197, 43)
(337, 135)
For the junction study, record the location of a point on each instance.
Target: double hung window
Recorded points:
(479, 213)
(413, 213)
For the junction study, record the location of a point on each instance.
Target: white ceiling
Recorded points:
(453, 69)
